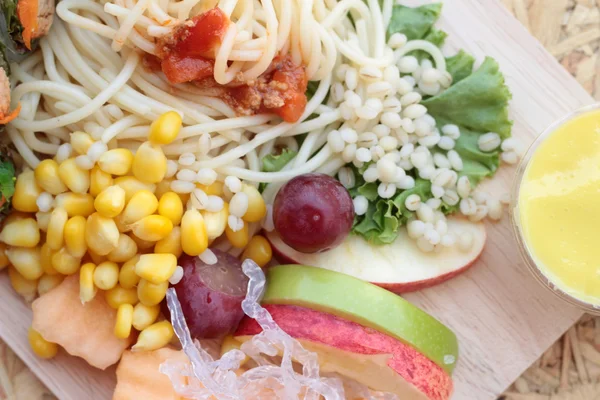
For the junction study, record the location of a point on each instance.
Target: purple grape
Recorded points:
(211, 295)
(313, 213)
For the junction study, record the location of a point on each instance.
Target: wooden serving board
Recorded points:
(503, 318)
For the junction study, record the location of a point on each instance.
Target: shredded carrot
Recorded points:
(27, 12)
(5, 119)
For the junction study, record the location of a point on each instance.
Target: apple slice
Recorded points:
(368, 305)
(371, 358)
(400, 267)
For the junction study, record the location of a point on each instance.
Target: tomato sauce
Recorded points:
(281, 91)
(187, 55)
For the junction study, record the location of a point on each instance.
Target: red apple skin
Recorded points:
(400, 288)
(280, 253)
(307, 324)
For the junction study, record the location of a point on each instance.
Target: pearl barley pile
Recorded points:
(386, 133)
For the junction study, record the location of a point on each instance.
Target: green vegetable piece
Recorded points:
(13, 24)
(478, 102)
(7, 184)
(414, 22)
(274, 163)
(460, 66)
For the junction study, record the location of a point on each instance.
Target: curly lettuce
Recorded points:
(7, 184)
(477, 102)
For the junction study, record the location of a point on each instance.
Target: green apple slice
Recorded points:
(365, 304)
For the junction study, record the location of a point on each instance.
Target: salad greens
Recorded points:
(415, 23)
(477, 102)
(7, 184)
(274, 163)
(13, 24)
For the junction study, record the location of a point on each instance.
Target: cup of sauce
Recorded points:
(556, 208)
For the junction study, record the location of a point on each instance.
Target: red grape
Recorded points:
(211, 295)
(313, 213)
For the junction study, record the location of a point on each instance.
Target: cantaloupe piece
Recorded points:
(138, 376)
(83, 330)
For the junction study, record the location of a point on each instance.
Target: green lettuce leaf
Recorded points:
(7, 183)
(478, 102)
(460, 66)
(13, 25)
(414, 22)
(274, 163)
(385, 216)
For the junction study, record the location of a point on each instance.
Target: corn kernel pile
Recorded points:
(112, 217)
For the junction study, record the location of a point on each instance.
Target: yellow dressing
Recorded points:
(559, 207)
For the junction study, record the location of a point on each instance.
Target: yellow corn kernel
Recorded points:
(142, 204)
(65, 263)
(165, 128)
(194, 239)
(75, 236)
(76, 203)
(56, 228)
(132, 186)
(143, 245)
(154, 337)
(43, 219)
(152, 228)
(96, 258)
(49, 282)
(87, 289)
(99, 180)
(128, 279)
(26, 288)
(101, 234)
(46, 254)
(81, 142)
(116, 161)
(156, 268)
(124, 321)
(171, 244)
(149, 163)
(117, 296)
(237, 239)
(3, 258)
(170, 206)
(27, 261)
(46, 176)
(22, 232)
(40, 346)
(110, 202)
(151, 294)
(26, 193)
(214, 189)
(257, 208)
(215, 222)
(126, 249)
(76, 179)
(144, 316)
(231, 343)
(258, 250)
(106, 275)
(163, 187)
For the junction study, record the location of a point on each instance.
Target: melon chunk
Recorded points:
(83, 330)
(138, 376)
